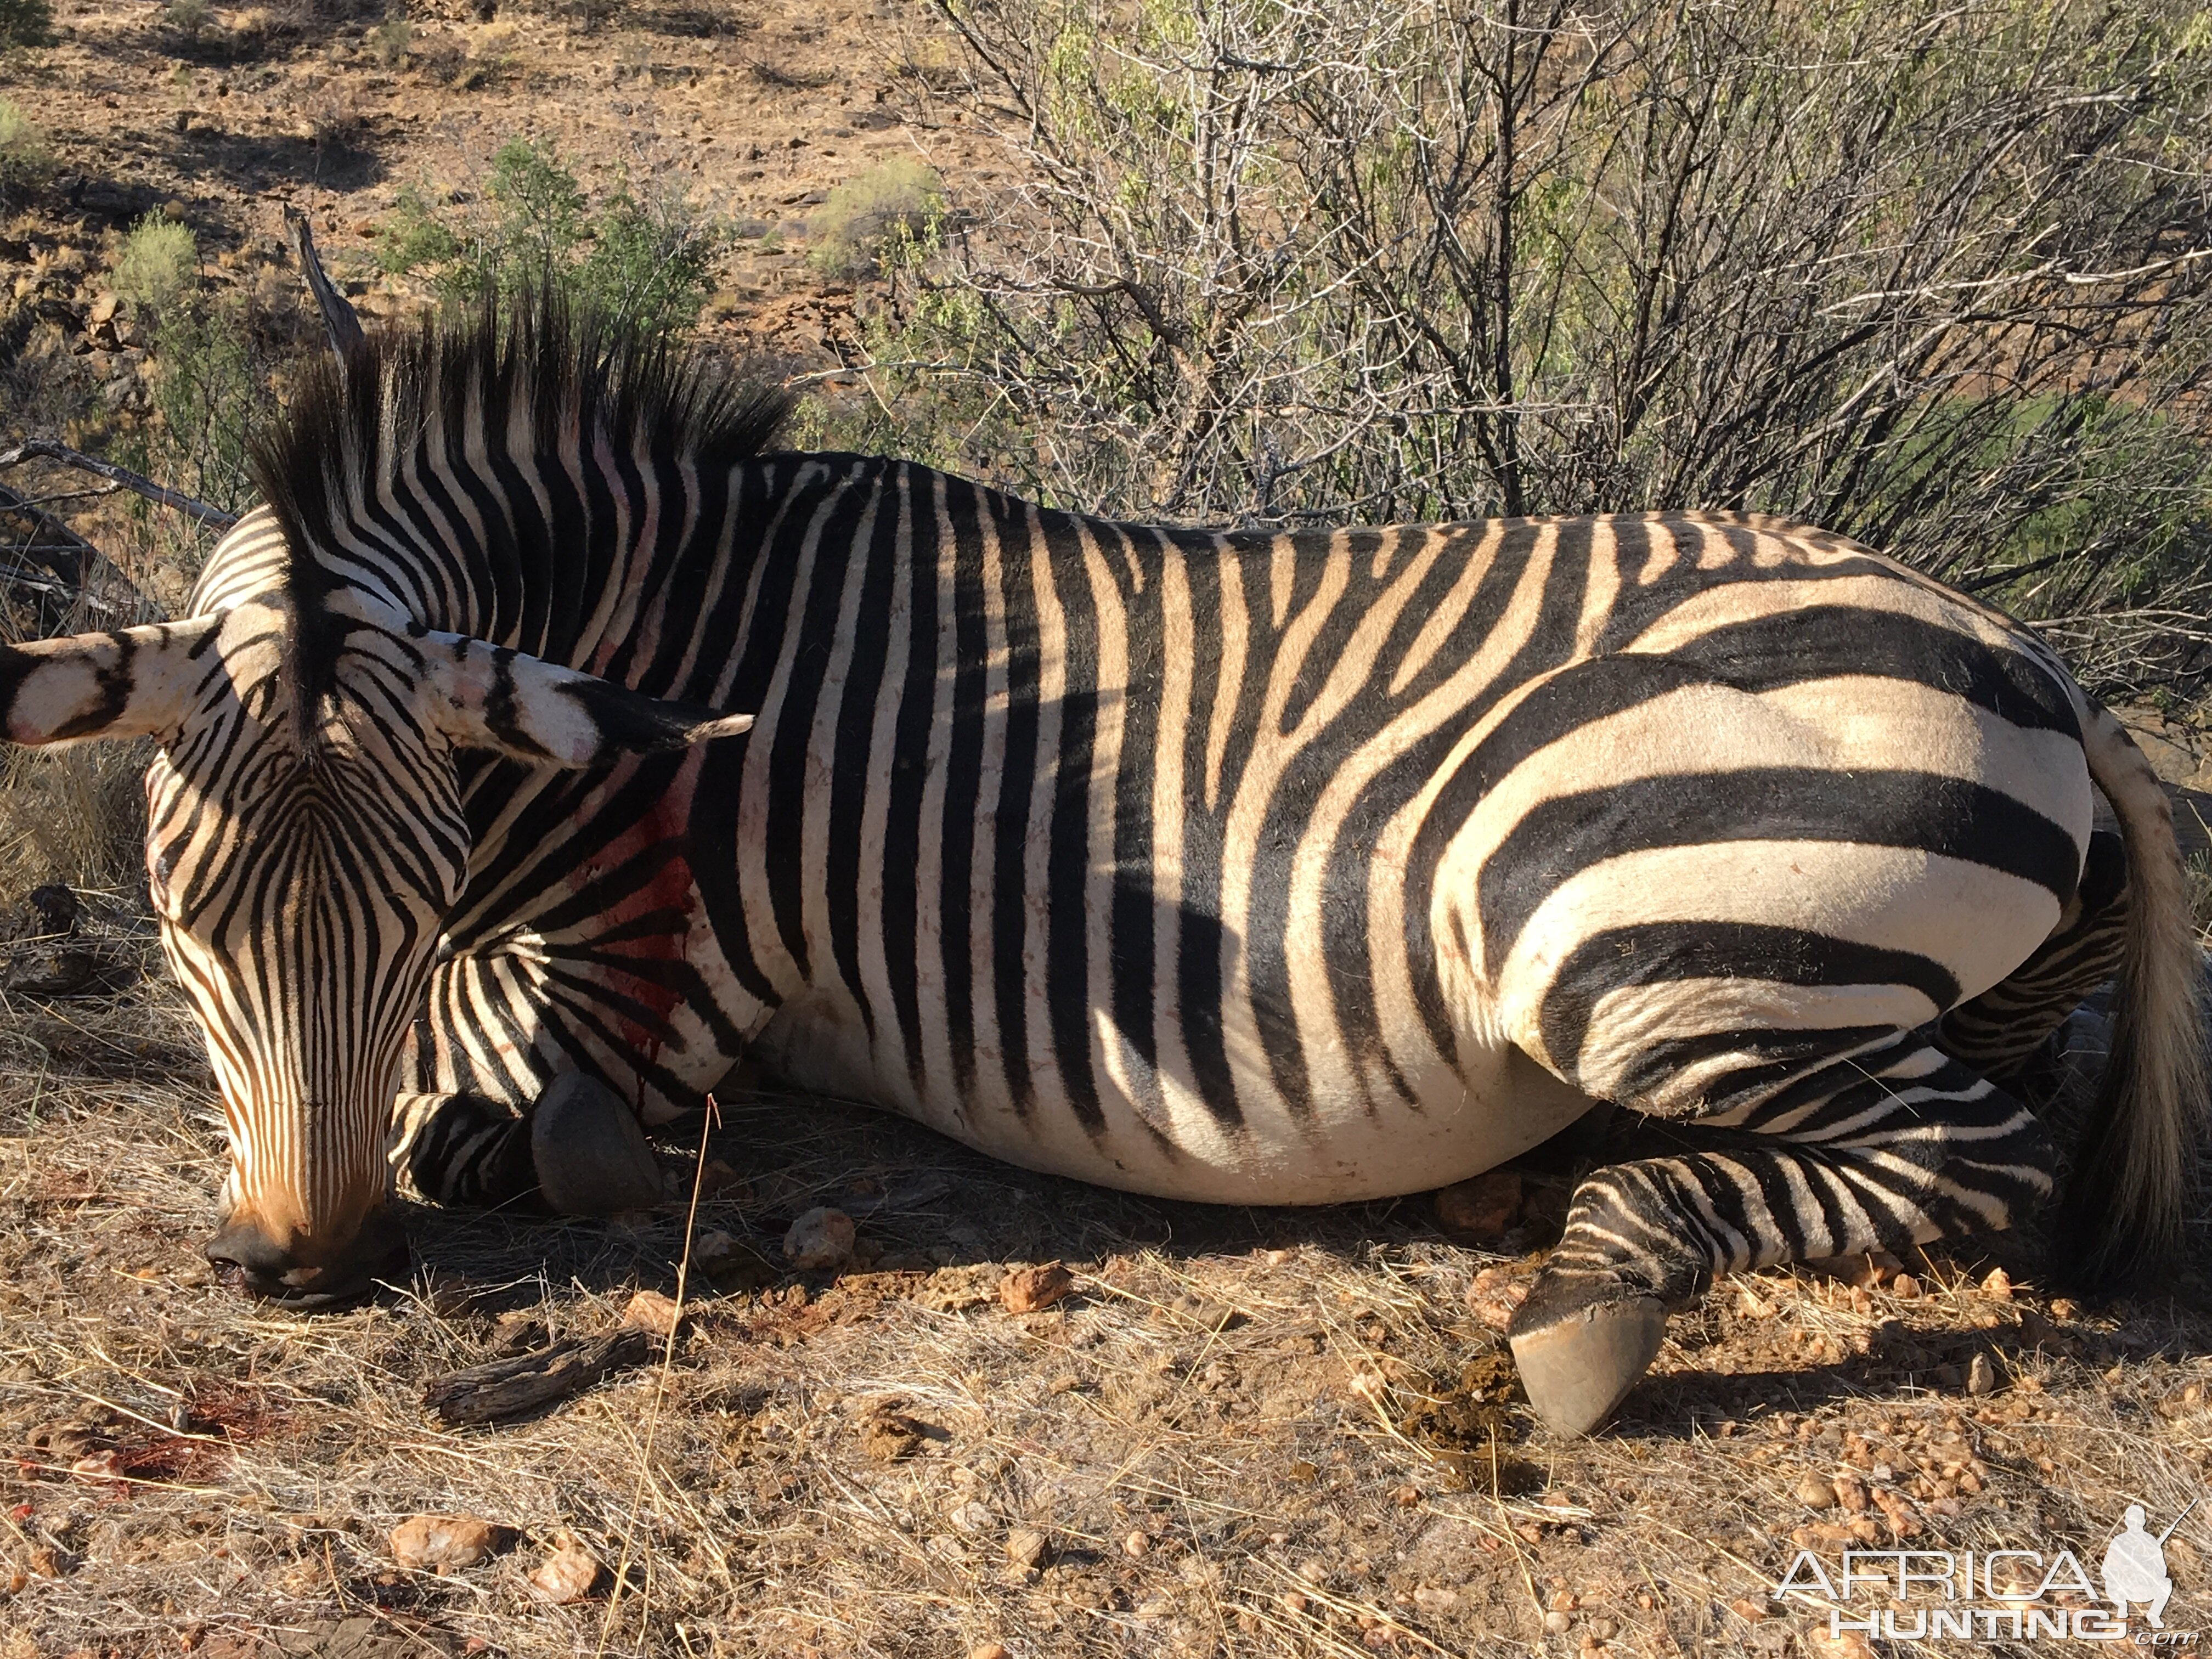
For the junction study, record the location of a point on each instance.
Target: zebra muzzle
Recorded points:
(246, 1259)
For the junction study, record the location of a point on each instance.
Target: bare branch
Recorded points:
(45, 449)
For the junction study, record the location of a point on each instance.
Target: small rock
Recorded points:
(1981, 1376)
(1029, 1289)
(1480, 1209)
(1559, 1623)
(568, 1573)
(1998, 1284)
(1495, 1295)
(988, 1651)
(1747, 1610)
(718, 1178)
(1025, 1547)
(649, 1310)
(972, 1517)
(1136, 1543)
(102, 310)
(1294, 1602)
(445, 1543)
(1851, 1493)
(1904, 1286)
(99, 1466)
(820, 1238)
(1815, 1494)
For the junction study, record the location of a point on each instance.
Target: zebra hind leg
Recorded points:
(1874, 1151)
(2001, 1032)
(578, 1150)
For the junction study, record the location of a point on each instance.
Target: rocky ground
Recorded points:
(756, 109)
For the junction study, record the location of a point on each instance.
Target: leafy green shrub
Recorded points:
(24, 158)
(389, 41)
(412, 237)
(26, 22)
(899, 199)
(186, 20)
(159, 267)
(206, 390)
(644, 259)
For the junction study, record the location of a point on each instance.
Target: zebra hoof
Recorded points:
(1577, 1368)
(591, 1156)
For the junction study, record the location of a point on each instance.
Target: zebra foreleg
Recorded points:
(1874, 1153)
(578, 1150)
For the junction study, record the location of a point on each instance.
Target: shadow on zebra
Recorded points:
(548, 740)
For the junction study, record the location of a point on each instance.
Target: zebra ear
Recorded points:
(134, 683)
(486, 696)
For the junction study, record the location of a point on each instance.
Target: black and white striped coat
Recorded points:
(1247, 867)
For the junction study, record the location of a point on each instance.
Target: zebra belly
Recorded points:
(1336, 1151)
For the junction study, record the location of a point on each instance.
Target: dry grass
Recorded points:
(1298, 1411)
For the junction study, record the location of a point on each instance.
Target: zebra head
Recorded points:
(302, 862)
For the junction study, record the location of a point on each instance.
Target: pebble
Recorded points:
(1558, 1622)
(822, 1237)
(1030, 1290)
(1136, 1543)
(1906, 1287)
(568, 1573)
(1850, 1493)
(1981, 1376)
(988, 1651)
(1815, 1494)
(99, 1466)
(649, 1310)
(1481, 1208)
(445, 1543)
(1998, 1284)
(1025, 1547)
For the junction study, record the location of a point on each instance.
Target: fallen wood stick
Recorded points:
(82, 569)
(531, 1382)
(45, 449)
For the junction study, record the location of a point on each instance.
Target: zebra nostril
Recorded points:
(242, 1254)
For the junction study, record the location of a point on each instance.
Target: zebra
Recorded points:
(548, 740)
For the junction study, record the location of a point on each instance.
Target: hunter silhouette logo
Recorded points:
(2135, 1567)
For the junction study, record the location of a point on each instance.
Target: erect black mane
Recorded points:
(559, 370)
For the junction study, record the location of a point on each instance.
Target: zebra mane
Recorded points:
(531, 359)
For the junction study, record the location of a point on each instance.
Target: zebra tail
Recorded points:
(2126, 1202)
